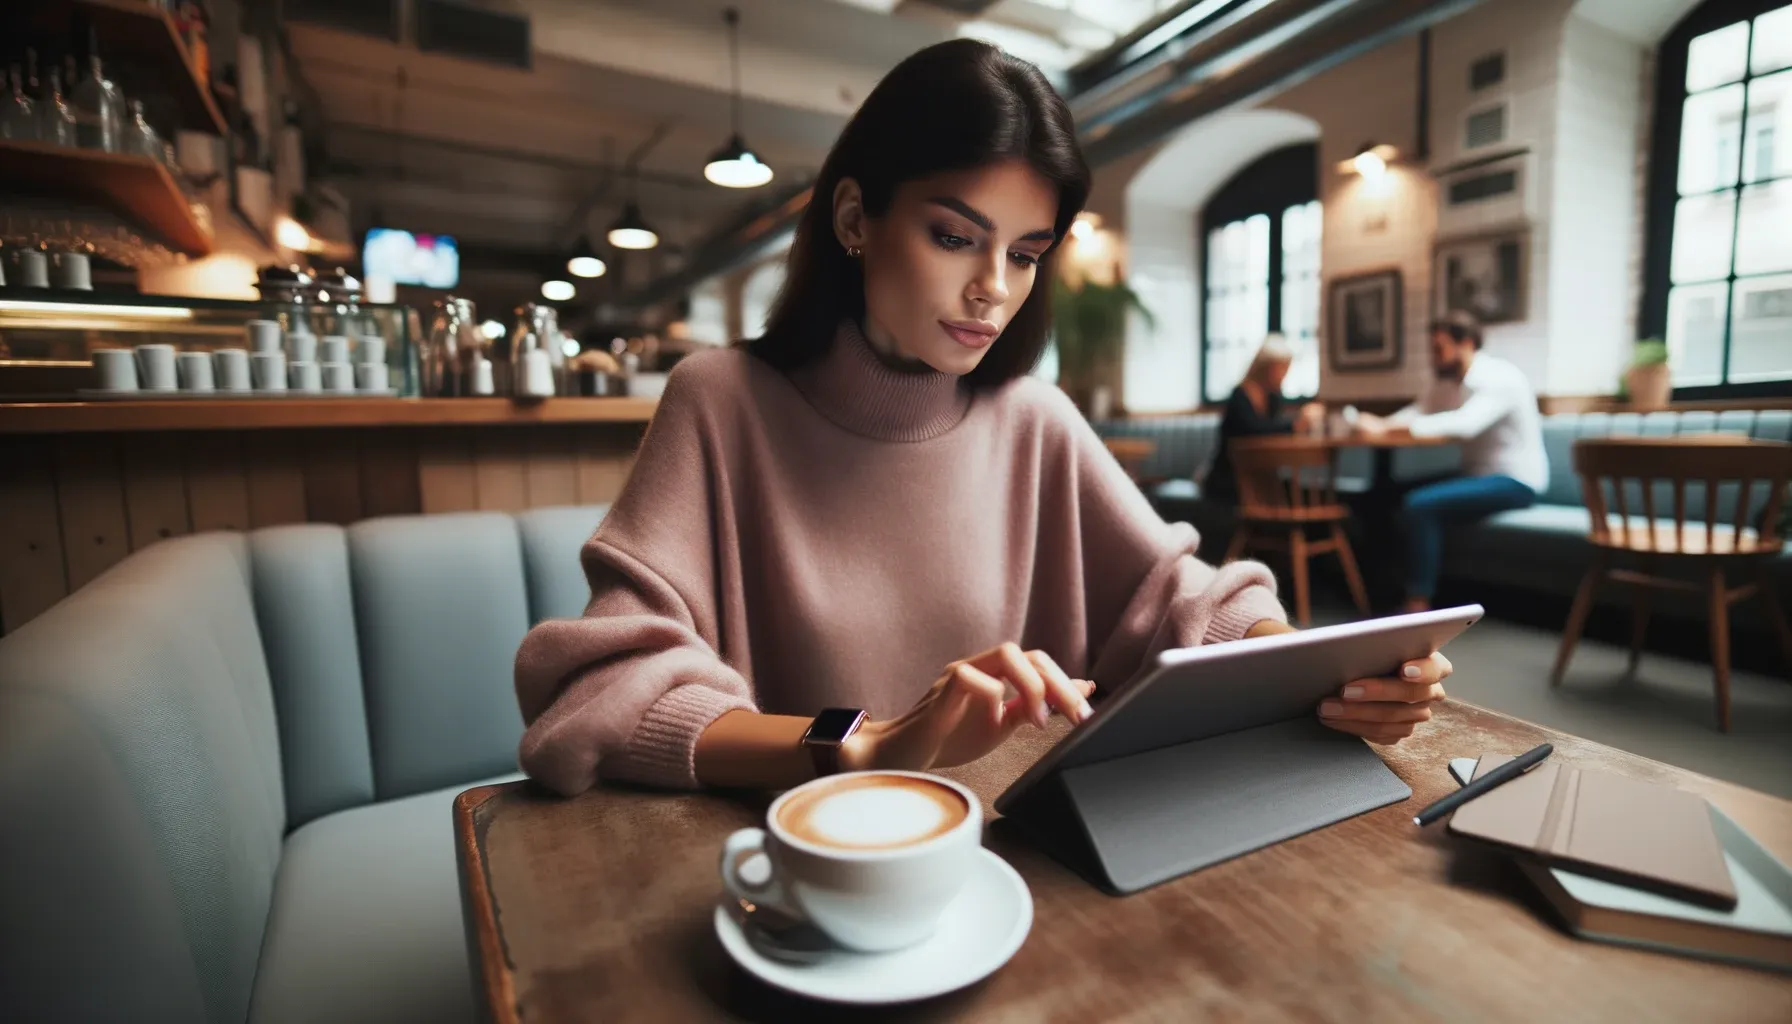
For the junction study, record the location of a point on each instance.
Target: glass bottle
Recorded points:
(55, 119)
(99, 110)
(141, 138)
(17, 118)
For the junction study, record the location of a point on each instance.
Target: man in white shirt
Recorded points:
(1487, 404)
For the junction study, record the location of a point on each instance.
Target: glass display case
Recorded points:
(48, 336)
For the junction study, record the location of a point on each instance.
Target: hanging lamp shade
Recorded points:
(584, 262)
(736, 166)
(631, 231)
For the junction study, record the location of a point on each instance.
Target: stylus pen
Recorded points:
(1498, 777)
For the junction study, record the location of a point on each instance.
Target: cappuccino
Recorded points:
(872, 812)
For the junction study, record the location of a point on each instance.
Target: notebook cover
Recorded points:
(1757, 932)
(1608, 825)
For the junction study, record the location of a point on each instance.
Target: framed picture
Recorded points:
(1363, 321)
(1484, 275)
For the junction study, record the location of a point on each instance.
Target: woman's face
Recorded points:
(951, 261)
(1273, 377)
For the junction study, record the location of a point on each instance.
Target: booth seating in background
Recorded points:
(1543, 548)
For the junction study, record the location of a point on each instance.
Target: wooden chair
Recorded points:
(1284, 487)
(1638, 474)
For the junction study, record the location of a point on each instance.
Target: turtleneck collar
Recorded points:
(858, 391)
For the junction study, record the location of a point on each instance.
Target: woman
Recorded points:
(1256, 409)
(875, 489)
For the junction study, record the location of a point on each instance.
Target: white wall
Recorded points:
(1593, 227)
(1163, 204)
(1372, 227)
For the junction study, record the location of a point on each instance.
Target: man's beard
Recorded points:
(1450, 371)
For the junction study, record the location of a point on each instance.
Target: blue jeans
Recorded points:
(1426, 511)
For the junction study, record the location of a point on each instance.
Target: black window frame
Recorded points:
(1268, 185)
(1664, 187)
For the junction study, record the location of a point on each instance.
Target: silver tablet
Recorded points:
(1198, 692)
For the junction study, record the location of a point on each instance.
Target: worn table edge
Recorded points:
(493, 971)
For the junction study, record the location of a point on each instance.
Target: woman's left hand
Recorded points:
(1388, 709)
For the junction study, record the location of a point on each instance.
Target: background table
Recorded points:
(598, 908)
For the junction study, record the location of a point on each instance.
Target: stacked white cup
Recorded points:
(337, 373)
(267, 360)
(301, 369)
(370, 364)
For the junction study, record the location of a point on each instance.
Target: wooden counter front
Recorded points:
(274, 413)
(84, 484)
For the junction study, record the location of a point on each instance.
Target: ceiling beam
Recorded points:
(514, 155)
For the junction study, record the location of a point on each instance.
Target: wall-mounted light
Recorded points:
(291, 234)
(557, 291)
(1084, 226)
(1371, 161)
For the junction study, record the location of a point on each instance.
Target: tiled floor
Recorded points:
(1667, 712)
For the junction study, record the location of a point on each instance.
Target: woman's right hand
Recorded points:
(968, 713)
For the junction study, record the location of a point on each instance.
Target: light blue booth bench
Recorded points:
(226, 767)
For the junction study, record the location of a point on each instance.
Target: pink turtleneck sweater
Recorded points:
(834, 537)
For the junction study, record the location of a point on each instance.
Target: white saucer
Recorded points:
(979, 931)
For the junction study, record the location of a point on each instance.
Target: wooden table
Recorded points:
(598, 908)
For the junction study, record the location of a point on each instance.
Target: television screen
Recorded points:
(401, 257)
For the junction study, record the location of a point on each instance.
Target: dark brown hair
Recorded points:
(952, 106)
(1459, 324)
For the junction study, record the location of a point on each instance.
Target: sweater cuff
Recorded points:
(1233, 619)
(662, 750)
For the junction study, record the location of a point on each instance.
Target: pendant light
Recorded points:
(734, 165)
(630, 230)
(584, 262)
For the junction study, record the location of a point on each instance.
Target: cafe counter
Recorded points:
(83, 484)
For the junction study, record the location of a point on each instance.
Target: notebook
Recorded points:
(1757, 932)
(1625, 830)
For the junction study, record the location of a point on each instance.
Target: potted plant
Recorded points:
(1089, 327)
(1647, 382)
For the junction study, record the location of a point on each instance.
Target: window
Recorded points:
(1260, 237)
(1718, 282)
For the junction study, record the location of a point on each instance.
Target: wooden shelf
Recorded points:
(135, 187)
(273, 413)
(132, 30)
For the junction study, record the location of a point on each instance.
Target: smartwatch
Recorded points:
(827, 732)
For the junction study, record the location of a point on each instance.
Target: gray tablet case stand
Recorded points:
(1131, 822)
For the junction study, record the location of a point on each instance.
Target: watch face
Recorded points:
(834, 725)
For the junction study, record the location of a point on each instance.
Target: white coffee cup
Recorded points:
(871, 858)
(339, 377)
(73, 270)
(262, 335)
(155, 368)
(371, 377)
(333, 349)
(268, 369)
(231, 369)
(301, 348)
(304, 376)
(34, 269)
(115, 369)
(195, 371)
(370, 350)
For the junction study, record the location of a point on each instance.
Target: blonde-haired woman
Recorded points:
(1257, 408)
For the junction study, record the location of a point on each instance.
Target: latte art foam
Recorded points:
(873, 812)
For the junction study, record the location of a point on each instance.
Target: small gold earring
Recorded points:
(854, 251)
